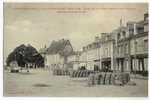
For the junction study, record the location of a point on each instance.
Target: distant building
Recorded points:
(122, 49)
(90, 55)
(83, 58)
(57, 54)
(107, 52)
(125, 49)
(74, 60)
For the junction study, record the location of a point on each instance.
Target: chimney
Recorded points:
(146, 16)
(96, 38)
(120, 22)
(103, 35)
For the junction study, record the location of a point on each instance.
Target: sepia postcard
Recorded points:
(75, 50)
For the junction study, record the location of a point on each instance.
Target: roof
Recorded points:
(43, 50)
(120, 29)
(142, 23)
(76, 53)
(57, 46)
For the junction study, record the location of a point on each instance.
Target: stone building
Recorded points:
(83, 58)
(74, 60)
(139, 46)
(90, 56)
(107, 52)
(57, 54)
(122, 49)
(131, 46)
(125, 49)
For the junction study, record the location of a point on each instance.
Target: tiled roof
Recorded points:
(57, 46)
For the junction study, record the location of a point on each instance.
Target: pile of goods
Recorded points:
(81, 73)
(61, 72)
(104, 78)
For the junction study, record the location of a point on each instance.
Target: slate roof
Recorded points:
(122, 28)
(58, 47)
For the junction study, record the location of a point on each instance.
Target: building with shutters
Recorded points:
(57, 54)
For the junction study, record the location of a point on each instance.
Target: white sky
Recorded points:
(40, 26)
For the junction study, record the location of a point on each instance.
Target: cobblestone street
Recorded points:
(40, 82)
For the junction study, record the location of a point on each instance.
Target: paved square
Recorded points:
(40, 82)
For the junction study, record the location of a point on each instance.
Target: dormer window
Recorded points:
(131, 31)
(124, 34)
(140, 29)
(118, 36)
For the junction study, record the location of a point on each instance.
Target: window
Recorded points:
(140, 29)
(124, 34)
(118, 50)
(126, 48)
(106, 51)
(131, 31)
(145, 28)
(122, 50)
(146, 45)
(136, 46)
(118, 36)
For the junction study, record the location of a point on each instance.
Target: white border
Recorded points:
(1, 48)
(85, 1)
(53, 1)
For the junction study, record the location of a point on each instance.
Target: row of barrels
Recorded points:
(108, 78)
(95, 77)
(60, 72)
(81, 73)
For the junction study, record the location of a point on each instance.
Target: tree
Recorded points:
(25, 54)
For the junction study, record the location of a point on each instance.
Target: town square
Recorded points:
(76, 50)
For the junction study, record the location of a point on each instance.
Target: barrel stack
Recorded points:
(108, 78)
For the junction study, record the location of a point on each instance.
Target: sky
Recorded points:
(40, 23)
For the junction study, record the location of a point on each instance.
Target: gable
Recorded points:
(63, 47)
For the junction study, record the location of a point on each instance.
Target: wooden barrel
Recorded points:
(81, 73)
(113, 79)
(104, 78)
(54, 72)
(125, 78)
(88, 73)
(110, 79)
(72, 73)
(58, 72)
(97, 79)
(76, 73)
(101, 78)
(107, 78)
(91, 80)
(85, 73)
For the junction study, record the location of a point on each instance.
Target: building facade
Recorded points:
(90, 56)
(107, 52)
(122, 49)
(125, 49)
(139, 46)
(57, 54)
(74, 60)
